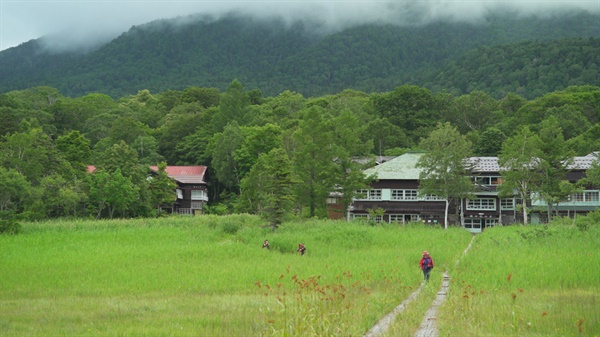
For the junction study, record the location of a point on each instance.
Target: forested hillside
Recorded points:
(296, 148)
(492, 56)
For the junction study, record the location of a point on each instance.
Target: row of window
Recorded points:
(196, 195)
(585, 197)
(395, 194)
(392, 218)
(483, 204)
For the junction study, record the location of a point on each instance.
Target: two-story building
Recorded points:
(396, 191)
(192, 189)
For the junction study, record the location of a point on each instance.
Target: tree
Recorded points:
(31, 153)
(162, 188)
(489, 142)
(313, 159)
(14, 190)
(555, 158)
(256, 141)
(226, 168)
(57, 196)
(593, 173)
(75, 148)
(409, 107)
(519, 165)
(474, 111)
(444, 169)
(347, 176)
(233, 106)
(268, 188)
(110, 190)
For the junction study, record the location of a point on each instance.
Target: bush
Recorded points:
(9, 226)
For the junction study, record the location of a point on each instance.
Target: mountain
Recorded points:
(274, 56)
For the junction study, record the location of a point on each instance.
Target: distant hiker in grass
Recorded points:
(266, 244)
(301, 249)
(426, 265)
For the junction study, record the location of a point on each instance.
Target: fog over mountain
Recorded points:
(68, 25)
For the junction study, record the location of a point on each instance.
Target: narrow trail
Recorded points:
(382, 326)
(428, 327)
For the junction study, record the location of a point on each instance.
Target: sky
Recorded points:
(85, 23)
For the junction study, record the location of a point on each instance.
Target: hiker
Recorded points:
(266, 244)
(426, 265)
(301, 249)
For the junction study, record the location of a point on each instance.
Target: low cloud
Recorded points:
(87, 23)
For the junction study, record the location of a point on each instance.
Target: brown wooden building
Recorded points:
(396, 192)
(192, 189)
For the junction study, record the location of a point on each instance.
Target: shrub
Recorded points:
(9, 226)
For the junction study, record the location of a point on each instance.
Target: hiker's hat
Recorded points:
(425, 253)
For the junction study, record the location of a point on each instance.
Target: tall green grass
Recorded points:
(209, 276)
(527, 281)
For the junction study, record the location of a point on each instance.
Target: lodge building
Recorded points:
(396, 191)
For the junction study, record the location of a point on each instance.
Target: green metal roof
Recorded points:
(399, 168)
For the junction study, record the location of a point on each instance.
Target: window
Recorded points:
(196, 205)
(507, 204)
(489, 181)
(369, 194)
(360, 216)
(179, 194)
(430, 197)
(198, 195)
(332, 201)
(491, 223)
(586, 197)
(473, 223)
(592, 196)
(404, 218)
(404, 194)
(487, 204)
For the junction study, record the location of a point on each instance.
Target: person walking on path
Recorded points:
(426, 264)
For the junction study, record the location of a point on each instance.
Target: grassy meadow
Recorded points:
(527, 281)
(209, 276)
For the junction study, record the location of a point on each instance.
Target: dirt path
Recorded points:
(382, 326)
(428, 327)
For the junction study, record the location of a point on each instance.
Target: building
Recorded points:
(192, 189)
(395, 191)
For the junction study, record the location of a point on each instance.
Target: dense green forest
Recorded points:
(530, 56)
(257, 147)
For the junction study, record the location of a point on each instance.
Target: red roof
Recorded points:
(185, 174)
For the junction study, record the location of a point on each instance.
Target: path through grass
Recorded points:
(209, 276)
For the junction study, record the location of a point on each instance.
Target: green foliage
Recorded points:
(591, 220)
(9, 224)
(444, 172)
(519, 158)
(275, 56)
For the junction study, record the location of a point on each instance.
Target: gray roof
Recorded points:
(584, 163)
(484, 164)
(404, 166)
(400, 168)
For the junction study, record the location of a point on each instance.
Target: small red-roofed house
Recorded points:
(192, 189)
